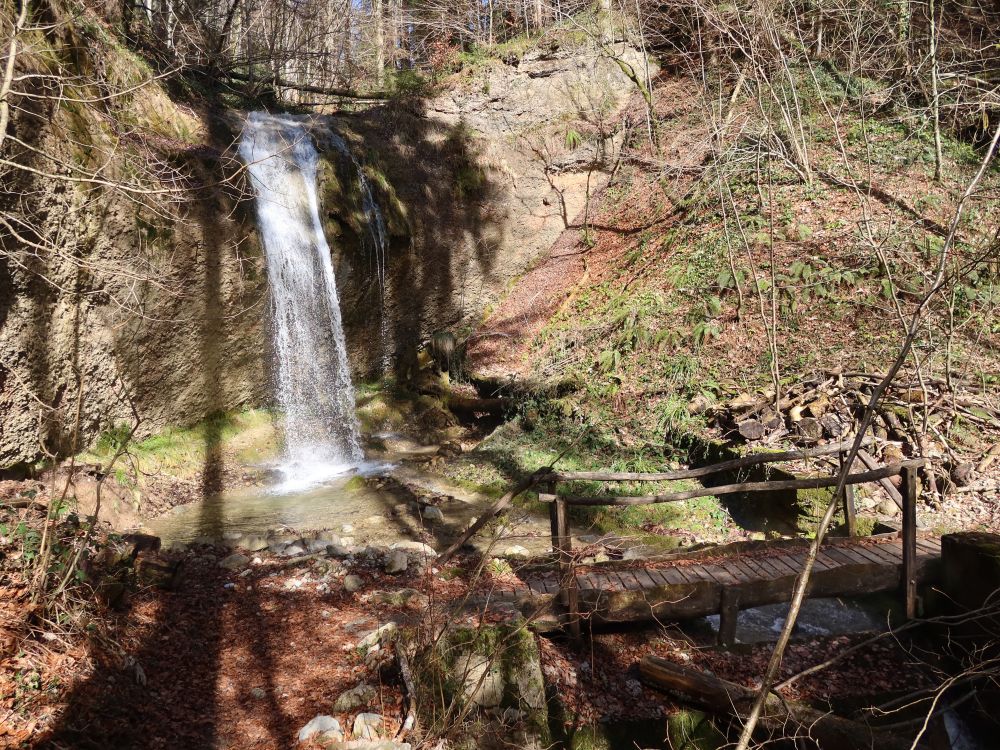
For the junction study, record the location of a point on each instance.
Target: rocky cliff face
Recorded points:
(152, 308)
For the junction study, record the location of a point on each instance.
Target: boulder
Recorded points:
(433, 514)
(396, 562)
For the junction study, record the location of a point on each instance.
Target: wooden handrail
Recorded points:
(702, 471)
(562, 541)
(810, 483)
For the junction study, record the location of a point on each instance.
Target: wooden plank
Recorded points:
(673, 575)
(866, 553)
(645, 580)
(737, 571)
(781, 564)
(629, 579)
(720, 574)
(754, 571)
(657, 575)
(767, 564)
(703, 575)
(685, 571)
(891, 554)
(838, 556)
(929, 547)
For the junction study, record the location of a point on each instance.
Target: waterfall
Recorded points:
(377, 241)
(312, 379)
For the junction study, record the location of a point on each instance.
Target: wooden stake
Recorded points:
(909, 535)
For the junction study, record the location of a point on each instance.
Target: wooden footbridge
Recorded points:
(723, 580)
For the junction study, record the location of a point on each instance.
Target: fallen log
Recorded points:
(780, 717)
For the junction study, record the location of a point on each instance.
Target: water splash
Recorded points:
(313, 383)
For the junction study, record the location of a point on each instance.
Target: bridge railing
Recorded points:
(905, 497)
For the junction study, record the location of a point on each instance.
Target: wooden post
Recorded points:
(909, 492)
(562, 543)
(850, 511)
(729, 610)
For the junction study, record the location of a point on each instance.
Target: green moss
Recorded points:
(181, 451)
(694, 730)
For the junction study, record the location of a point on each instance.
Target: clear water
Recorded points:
(818, 617)
(313, 383)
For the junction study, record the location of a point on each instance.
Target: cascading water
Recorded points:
(313, 382)
(378, 241)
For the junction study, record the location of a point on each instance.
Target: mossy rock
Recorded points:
(812, 504)
(694, 730)
(489, 669)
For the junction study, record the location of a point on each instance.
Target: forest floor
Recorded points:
(244, 658)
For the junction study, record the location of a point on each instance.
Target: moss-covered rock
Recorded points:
(490, 674)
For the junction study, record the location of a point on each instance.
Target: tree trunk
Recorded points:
(378, 41)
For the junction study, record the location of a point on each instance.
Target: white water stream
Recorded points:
(312, 378)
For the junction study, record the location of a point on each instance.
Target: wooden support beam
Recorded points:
(909, 537)
(729, 611)
(850, 511)
(562, 544)
(810, 483)
(704, 471)
(868, 460)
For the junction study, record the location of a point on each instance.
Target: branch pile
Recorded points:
(957, 427)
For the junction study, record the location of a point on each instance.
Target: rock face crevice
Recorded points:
(153, 309)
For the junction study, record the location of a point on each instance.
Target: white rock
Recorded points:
(379, 635)
(352, 583)
(367, 726)
(324, 726)
(482, 683)
(414, 546)
(396, 562)
(516, 550)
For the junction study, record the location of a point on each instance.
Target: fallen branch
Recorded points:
(498, 507)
